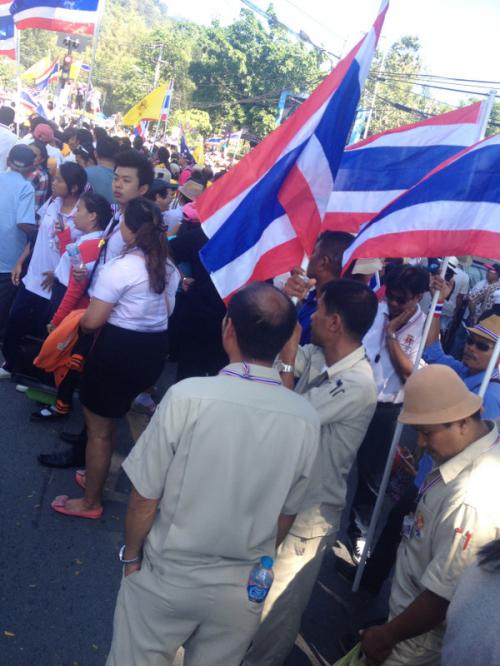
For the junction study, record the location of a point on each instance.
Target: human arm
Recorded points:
(25, 214)
(437, 284)
(18, 268)
(401, 362)
(288, 355)
(284, 524)
(64, 236)
(96, 315)
(71, 299)
(139, 519)
(425, 613)
(298, 284)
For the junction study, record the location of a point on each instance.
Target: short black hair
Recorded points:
(133, 159)
(107, 148)
(333, 245)
(95, 203)
(157, 187)
(7, 115)
(263, 319)
(354, 302)
(73, 175)
(407, 278)
(496, 268)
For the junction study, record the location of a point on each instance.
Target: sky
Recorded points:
(459, 38)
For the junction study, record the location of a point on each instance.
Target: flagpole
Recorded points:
(97, 29)
(17, 44)
(482, 125)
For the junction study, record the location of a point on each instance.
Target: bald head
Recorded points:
(263, 319)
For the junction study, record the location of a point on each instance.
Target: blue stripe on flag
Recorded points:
(6, 27)
(334, 126)
(389, 168)
(80, 5)
(473, 177)
(259, 208)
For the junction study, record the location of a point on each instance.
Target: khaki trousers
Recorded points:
(155, 616)
(295, 572)
(422, 650)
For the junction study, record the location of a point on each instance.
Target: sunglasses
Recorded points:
(479, 344)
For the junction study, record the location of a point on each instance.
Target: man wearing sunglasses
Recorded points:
(479, 346)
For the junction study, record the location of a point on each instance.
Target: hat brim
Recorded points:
(480, 333)
(461, 410)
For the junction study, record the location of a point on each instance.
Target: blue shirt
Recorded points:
(304, 315)
(101, 181)
(17, 206)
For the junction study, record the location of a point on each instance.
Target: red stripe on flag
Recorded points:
(349, 222)
(431, 243)
(298, 201)
(55, 25)
(11, 53)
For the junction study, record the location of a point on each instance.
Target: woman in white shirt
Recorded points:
(132, 299)
(30, 311)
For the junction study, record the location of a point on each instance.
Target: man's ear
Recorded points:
(334, 322)
(143, 189)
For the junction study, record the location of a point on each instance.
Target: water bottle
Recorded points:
(74, 255)
(260, 580)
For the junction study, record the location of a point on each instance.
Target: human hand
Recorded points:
(437, 283)
(48, 280)
(79, 273)
(131, 568)
(15, 276)
(298, 284)
(186, 283)
(289, 350)
(399, 321)
(377, 644)
(50, 327)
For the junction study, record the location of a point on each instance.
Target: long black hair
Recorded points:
(95, 203)
(143, 218)
(73, 175)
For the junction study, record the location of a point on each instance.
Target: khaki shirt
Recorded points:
(225, 456)
(458, 513)
(345, 402)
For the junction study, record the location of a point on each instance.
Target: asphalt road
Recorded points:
(59, 576)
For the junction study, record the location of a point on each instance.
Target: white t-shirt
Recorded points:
(46, 254)
(115, 247)
(124, 281)
(461, 287)
(63, 268)
(173, 217)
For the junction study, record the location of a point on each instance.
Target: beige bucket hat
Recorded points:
(191, 190)
(435, 395)
(488, 328)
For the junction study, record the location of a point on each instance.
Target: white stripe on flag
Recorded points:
(57, 14)
(461, 134)
(314, 166)
(351, 201)
(235, 274)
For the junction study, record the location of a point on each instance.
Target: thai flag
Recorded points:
(454, 210)
(71, 16)
(266, 213)
(167, 101)
(51, 74)
(375, 171)
(7, 38)
(184, 150)
(141, 129)
(31, 104)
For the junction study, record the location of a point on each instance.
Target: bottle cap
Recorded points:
(267, 562)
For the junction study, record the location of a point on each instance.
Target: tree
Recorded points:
(195, 123)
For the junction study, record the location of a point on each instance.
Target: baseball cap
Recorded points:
(21, 157)
(43, 133)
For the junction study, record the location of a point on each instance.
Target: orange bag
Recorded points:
(55, 354)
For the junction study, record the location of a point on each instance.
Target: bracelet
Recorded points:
(439, 309)
(124, 561)
(391, 336)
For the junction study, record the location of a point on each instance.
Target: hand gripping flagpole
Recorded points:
(486, 111)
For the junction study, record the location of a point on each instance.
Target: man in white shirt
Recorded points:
(336, 379)
(391, 346)
(218, 477)
(7, 137)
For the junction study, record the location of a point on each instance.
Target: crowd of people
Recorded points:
(280, 394)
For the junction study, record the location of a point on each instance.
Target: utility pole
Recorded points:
(159, 62)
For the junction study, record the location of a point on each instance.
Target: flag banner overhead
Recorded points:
(453, 211)
(31, 104)
(167, 102)
(266, 213)
(376, 170)
(7, 37)
(36, 70)
(49, 76)
(71, 16)
(148, 108)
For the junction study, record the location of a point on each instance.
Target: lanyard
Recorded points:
(247, 375)
(426, 486)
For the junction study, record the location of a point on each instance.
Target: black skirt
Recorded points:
(121, 364)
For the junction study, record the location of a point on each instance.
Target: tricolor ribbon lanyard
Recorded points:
(409, 527)
(246, 374)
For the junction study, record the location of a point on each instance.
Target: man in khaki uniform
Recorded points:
(336, 379)
(226, 461)
(458, 512)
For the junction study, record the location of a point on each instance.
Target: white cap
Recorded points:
(367, 266)
(452, 263)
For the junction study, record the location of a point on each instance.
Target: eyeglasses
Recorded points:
(480, 344)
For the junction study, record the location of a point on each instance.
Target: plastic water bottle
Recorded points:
(260, 580)
(74, 255)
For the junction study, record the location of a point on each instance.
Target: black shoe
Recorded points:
(63, 459)
(46, 414)
(74, 437)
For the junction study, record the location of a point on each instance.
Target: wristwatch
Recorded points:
(283, 367)
(392, 336)
(124, 561)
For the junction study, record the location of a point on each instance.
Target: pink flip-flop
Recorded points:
(59, 505)
(81, 478)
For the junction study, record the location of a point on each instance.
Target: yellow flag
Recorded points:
(148, 108)
(199, 153)
(37, 69)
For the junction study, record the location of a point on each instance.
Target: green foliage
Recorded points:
(195, 123)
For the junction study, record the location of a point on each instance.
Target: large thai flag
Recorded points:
(266, 213)
(455, 210)
(71, 16)
(375, 171)
(7, 37)
(50, 75)
(167, 102)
